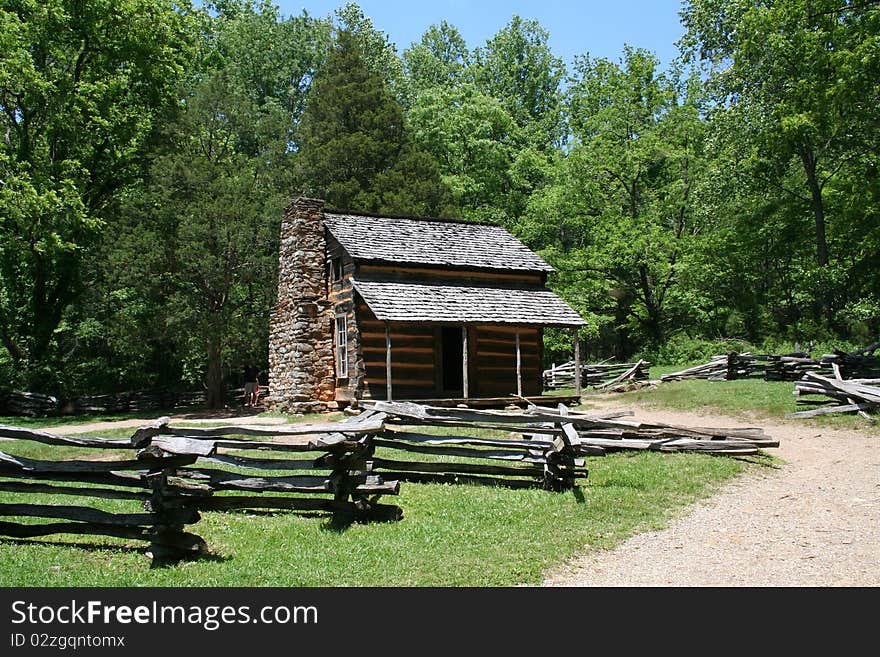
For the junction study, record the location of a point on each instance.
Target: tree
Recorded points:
(518, 68)
(439, 60)
(474, 141)
(131, 328)
(376, 49)
(270, 59)
(356, 152)
(802, 79)
(206, 225)
(620, 215)
(81, 87)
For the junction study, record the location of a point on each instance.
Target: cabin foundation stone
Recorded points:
(301, 377)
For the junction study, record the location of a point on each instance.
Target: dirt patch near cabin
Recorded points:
(203, 418)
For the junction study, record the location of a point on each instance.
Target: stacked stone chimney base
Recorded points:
(301, 376)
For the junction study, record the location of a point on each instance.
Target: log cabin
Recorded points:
(405, 308)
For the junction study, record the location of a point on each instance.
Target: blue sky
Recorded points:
(598, 27)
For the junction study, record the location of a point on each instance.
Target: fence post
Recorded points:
(169, 541)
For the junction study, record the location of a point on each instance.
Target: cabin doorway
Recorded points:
(451, 354)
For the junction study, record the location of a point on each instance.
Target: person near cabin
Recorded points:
(251, 385)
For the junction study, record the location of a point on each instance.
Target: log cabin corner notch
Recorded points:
(381, 307)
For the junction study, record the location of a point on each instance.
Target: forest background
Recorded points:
(730, 199)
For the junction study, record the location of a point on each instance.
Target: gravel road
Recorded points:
(813, 522)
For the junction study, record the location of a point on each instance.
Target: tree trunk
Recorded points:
(653, 322)
(818, 206)
(214, 376)
(623, 344)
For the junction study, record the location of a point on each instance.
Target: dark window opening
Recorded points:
(336, 269)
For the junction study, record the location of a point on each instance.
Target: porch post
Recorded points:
(519, 390)
(464, 361)
(577, 363)
(388, 360)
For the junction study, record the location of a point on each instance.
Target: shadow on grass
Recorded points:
(340, 521)
(88, 547)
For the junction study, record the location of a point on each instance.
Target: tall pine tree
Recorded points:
(355, 151)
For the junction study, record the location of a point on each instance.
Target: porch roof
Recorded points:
(449, 303)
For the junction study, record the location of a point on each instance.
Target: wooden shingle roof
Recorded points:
(432, 302)
(432, 242)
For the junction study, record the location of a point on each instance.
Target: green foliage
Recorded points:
(356, 152)
(208, 225)
(271, 60)
(684, 350)
(795, 84)
(81, 88)
(622, 197)
(517, 67)
(473, 140)
(378, 53)
(439, 60)
(148, 148)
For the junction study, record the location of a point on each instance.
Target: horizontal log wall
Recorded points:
(416, 358)
(413, 357)
(416, 349)
(495, 360)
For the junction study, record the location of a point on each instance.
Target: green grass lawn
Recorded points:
(451, 535)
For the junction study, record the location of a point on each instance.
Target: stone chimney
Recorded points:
(301, 374)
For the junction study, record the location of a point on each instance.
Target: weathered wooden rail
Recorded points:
(175, 472)
(341, 475)
(783, 367)
(597, 375)
(173, 477)
(860, 396)
(33, 404)
(141, 479)
(462, 455)
(547, 447)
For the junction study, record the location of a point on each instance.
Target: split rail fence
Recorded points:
(860, 364)
(597, 375)
(173, 477)
(34, 404)
(177, 472)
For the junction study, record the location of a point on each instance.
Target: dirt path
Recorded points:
(70, 429)
(813, 522)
